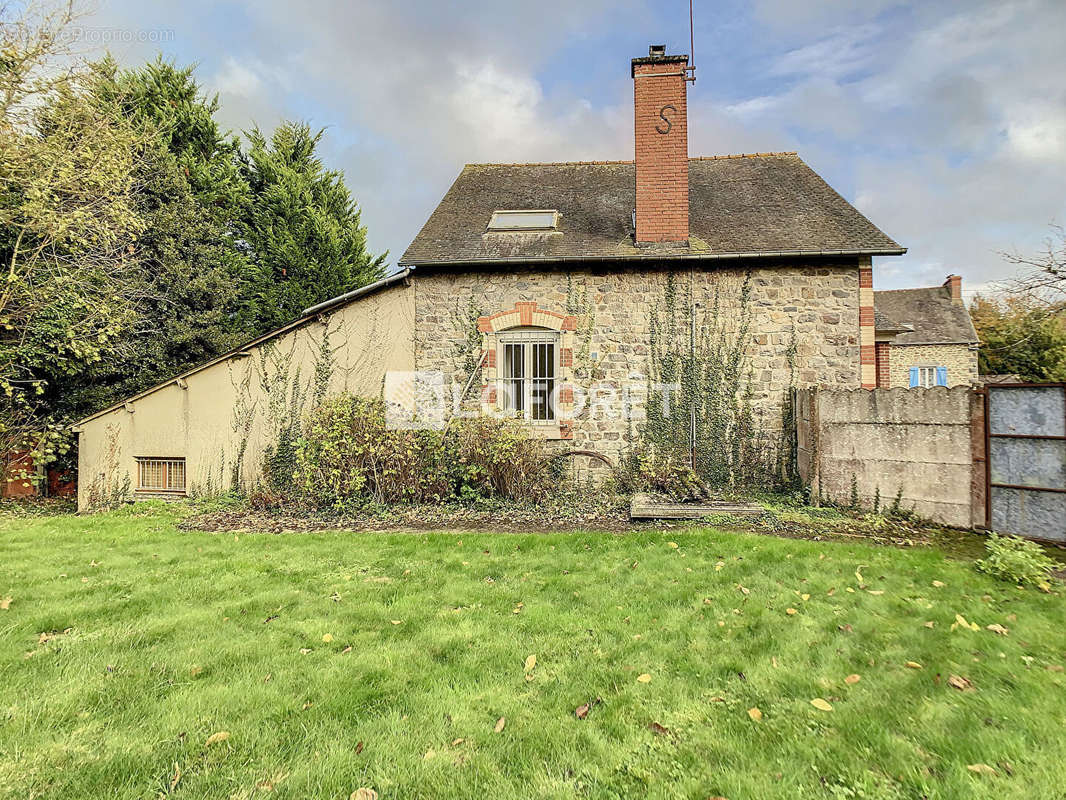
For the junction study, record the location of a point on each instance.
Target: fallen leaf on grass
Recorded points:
(743, 589)
(430, 754)
(396, 621)
(269, 784)
(960, 621)
(755, 714)
(644, 678)
(805, 597)
(518, 608)
(5, 603)
(662, 730)
(844, 628)
(718, 566)
(347, 649)
(457, 742)
(930, 624)
(995, 627)
(913, 665)
(821, 704)
(195, 670)
(852, 679)
(305, 650)
(358, 748)
(939, 584)
(960, 683)
(531, 662)
(876, 591)
(215, 738)
(307, 705)
(500, 723)
(364, 794)
(1055, 668)
(981, 769)
(327, 637)
(672, 544)
(790, 611)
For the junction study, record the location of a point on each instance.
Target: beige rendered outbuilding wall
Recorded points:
(227, 414)
(960, 360)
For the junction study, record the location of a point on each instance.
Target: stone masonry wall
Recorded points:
(960, 359)
(612, 341)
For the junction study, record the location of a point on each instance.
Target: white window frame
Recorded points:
(171, 472)
(925, 371)
(498, 222)
(504, 384)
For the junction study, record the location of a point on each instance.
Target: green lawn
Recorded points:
(337, 661)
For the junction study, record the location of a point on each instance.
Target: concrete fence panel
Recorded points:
(914, 443)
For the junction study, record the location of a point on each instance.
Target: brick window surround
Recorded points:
(528, 315)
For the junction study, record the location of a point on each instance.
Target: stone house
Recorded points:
(925, 337)
(561, 293)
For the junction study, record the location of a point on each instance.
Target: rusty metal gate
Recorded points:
(1025, 430)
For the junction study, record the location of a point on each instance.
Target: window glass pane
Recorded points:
(543, 409)
(543, 360)
(517, 397)
(514, 364)
(522, 220)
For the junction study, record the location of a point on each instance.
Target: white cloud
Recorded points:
(236, 79)
(945, 122)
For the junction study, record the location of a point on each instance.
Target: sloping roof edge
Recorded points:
(653, 256)
(308, 315)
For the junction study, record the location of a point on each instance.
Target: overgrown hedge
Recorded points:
(346, 455)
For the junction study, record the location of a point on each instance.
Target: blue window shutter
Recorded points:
(941, 376)
(914, 377)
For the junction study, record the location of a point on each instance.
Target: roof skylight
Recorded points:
(539, 220)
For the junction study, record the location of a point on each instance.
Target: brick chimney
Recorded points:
(954, 283)
(660, 117)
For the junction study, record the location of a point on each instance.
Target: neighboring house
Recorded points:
(550, 291)
(925, 337)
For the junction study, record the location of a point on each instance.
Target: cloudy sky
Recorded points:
(944, 122)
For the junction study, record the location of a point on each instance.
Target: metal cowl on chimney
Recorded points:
(660, 120)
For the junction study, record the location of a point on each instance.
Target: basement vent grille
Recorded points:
(161, 475)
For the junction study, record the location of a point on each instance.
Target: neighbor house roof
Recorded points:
(763, 204)
(926, 316)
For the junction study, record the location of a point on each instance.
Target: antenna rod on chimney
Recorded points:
(691, 41)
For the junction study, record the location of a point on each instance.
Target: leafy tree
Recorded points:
(303, 227)
(193, 273)
(69, 223)
(1020, 335)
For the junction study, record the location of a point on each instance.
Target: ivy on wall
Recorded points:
(701, 387)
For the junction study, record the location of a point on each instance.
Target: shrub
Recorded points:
(1017, 560)
(665, 476)
(346, 454)
(498, 457)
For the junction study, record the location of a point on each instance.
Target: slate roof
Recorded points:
(764, 204)
(935, 319)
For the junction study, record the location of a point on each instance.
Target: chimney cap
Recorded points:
(657, 55)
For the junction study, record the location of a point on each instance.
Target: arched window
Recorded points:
(527, 374)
